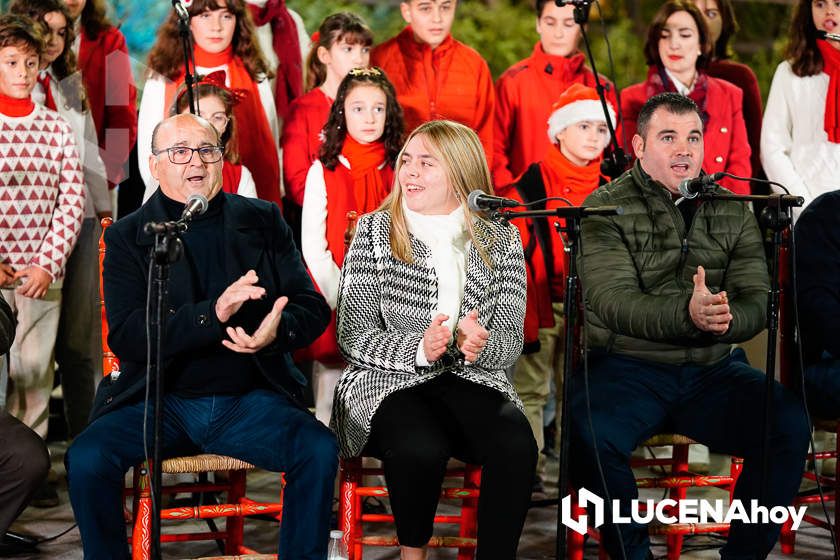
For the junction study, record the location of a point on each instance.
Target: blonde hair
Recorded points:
(459, 150)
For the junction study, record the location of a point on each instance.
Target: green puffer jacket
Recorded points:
(637, 270)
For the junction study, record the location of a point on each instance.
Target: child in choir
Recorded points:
(109, 83)
(436, 76)
(342, 43)
(800, 136)
(677, 50)
(354, 172)
(223, 37)
(60, 89)
(284, 43)
(578, 134)
(722, 24)
(215, 103)
(526, 91)
(40, 217)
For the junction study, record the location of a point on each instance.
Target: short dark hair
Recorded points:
(668, 9)
(20, 31)
(540, 5)
(674, 103)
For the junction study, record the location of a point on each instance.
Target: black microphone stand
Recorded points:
(615, 160)
(167, 250)
(775, 217)
(569, 230)
(189, 63)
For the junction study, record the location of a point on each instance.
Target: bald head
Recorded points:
(174, 121)
(179, 139)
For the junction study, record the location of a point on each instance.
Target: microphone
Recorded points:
(690, 188)
(479, 201)
(180, 7)
(195, 206)
(828, 36)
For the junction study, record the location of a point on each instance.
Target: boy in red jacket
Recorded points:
(437, 77)
(577, 136)
(526, 91)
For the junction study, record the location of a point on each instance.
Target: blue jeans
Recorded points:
(261, 427)
(721, 405)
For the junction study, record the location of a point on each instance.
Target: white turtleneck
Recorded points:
(448, 241)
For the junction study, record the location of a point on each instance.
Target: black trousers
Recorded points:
(415, 431)
(24, 462)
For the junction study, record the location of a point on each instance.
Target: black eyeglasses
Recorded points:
(181, 155)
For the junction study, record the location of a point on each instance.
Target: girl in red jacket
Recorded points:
(677, 50)
(341, 43)
(215, 103)
(354, 172)
(116, 120)
(224, 39)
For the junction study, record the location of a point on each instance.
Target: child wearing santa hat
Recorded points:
(577, 129)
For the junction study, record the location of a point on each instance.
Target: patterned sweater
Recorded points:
(385, 305)
(42, 191)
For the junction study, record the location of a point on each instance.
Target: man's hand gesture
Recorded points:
(240, 341)
(709, 312)
(236, 294)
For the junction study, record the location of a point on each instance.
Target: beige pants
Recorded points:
(30, 374)
(532, 376)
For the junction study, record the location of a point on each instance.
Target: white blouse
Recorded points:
(448, 241)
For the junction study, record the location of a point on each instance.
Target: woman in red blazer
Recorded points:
(677, 49)
(115, 117)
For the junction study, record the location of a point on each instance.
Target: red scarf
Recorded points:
(658, 82)
(44, 79)
(831, 66)
(257, 145)
(563, 178)
(369, 187)
(231, 175)
(289, 81)
(14, 107)
(362, 188)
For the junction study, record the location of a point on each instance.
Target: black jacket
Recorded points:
(256, 237)
(817, 235)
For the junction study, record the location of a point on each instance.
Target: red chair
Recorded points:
(351, 518)
(678, 479)
(235, 510)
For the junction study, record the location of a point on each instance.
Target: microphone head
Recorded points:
(685, 189)
(473, 200)
(196, 204)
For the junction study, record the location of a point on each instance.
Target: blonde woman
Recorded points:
(430, 312)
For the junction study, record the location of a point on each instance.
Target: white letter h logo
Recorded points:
(584, 497)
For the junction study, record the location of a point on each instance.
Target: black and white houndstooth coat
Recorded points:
(385, 305)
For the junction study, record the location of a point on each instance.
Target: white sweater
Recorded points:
(795, 150)
(152, 111)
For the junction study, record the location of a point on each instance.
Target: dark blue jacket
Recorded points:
(817, 235)
(256, 237)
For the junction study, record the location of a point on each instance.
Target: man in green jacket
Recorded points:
(670, 285)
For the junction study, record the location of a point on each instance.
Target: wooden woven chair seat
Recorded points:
(668, 439)
(203, 463)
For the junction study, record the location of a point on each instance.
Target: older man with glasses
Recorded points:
(240, 301)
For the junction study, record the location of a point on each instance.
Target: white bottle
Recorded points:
(337, 549)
